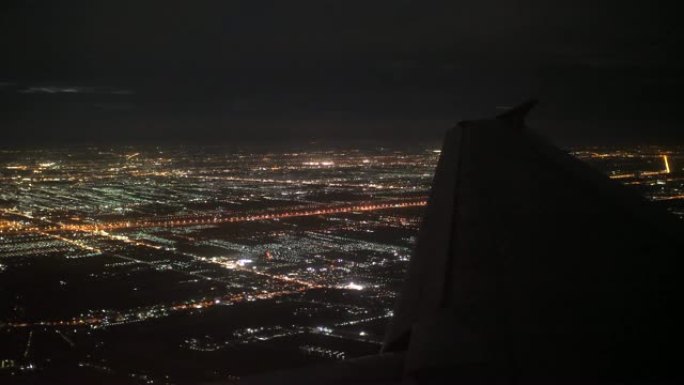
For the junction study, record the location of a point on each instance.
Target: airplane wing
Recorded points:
(530, 267)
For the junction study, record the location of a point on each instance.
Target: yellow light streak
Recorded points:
(667, 164)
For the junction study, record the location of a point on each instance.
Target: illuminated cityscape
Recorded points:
(225, 262)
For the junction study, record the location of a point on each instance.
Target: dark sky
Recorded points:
(209, 71)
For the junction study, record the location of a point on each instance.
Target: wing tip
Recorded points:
(517, 115)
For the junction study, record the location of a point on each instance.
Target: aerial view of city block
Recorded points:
(227, 261)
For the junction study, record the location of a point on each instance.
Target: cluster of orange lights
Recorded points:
(665, 171)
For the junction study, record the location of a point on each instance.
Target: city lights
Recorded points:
(299, 252)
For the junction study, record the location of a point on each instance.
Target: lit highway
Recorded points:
(370, 206)
(247, 218)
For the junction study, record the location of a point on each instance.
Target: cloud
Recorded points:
(74, 90)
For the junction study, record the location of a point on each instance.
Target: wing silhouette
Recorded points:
(530, 268)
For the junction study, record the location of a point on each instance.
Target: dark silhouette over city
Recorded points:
(530, 268)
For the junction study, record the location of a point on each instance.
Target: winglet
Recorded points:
(516, 116)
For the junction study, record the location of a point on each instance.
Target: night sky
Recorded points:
(227, 71)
